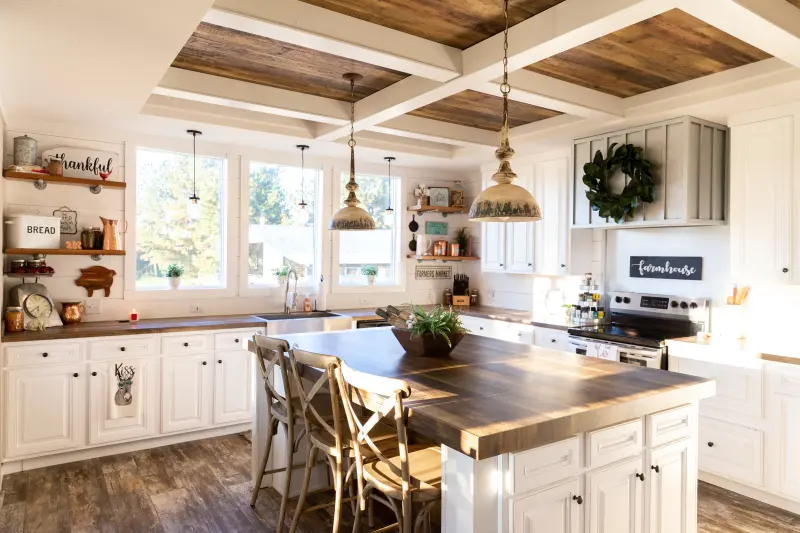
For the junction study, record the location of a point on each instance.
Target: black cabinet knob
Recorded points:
(186, 344)
(235, 340)
(94, 373)
(710, 444)
(75, 375)
(501, 264)
(552, 340)
(45, 354)
(640, 476)
(578, 499)
(655, 467)
(219, 361)
(563, 266)
(785, 270)
(481, 328)
(530, 264)
(122, 349)
(205, 363)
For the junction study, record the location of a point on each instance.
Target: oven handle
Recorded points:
(581, 342)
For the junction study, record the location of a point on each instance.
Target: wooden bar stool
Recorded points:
(411, 476)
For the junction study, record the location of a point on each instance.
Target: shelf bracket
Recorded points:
(40, 184)
(39, 256)
(444, 215)
(96, 189)
(96, 257)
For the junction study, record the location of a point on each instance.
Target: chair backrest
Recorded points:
(271, 353)
(390, 394)
(329, 366)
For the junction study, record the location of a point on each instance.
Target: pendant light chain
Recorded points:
(391, 184)
(505, 87)
(303, 149)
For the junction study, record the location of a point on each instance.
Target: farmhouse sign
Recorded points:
(433, 272)
(689, 268)
(83, 163)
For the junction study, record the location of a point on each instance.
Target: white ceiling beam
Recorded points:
(770, 25)
(392, 144)
(437, 131)
(323, 30)
(544, 128)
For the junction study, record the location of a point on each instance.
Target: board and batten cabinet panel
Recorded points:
(690, 174)
(187, 384)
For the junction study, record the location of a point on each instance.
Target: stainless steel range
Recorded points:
(639, 326)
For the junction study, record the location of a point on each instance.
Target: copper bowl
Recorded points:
(427, 345)
(71, 312)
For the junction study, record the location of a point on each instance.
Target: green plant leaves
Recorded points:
(439, 321)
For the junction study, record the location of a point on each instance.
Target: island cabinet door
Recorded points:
(187, 386)
(671, 489)
(232, 386)
(554, 510)
(45, 410)
(122, 407)
(615, 498)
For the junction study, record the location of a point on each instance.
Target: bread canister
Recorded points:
(24, 151)
(32, 231)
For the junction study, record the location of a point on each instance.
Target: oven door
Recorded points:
(626, 353)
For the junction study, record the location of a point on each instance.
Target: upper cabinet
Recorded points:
(690, 177)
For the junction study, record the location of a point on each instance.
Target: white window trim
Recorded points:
(229, 227)
(333, 195)
(311, 286)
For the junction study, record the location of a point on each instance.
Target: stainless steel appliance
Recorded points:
(361, 324)
(639, 326)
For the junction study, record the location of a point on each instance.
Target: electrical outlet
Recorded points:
(93, 307)
(195, 308)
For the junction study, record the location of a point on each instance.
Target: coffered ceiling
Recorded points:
(670, 48)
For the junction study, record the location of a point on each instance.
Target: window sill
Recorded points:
(179, 294)
(365, 289)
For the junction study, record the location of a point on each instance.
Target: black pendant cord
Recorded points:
(391, 185)
(303, 149)
(194, 133)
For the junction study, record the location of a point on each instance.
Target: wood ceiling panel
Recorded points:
(457, 23)
(794, 2)
(671, 48)
(484, 111)
(246, 57)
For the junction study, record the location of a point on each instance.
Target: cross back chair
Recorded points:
(409, 475)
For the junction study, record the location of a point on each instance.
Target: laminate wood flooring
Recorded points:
(204, 487)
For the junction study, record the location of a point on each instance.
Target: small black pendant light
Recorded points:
(194, 208)
(389, 210)
(302, 215)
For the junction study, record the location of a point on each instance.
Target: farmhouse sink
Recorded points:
(283, 323)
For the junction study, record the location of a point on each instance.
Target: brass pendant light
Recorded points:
(505, 202)
(351, 217)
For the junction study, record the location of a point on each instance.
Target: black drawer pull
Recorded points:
(122, 349)
(710, 444)
(186, 344)
(219, 361)
(640, 476)
(45, 354)
(235, 340)
(785, 270)
(578, 499)
(205, 363)
(552, 340)
(94, 373)
(75, 375)
(655, 467)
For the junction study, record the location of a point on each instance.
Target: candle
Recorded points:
(134, 315)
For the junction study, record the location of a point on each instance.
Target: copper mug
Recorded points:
(72, 312)
(55, 166)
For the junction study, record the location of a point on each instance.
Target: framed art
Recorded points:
(457, 198)
(440, 196)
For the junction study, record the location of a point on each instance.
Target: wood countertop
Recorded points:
(492, 397)
(114, 327)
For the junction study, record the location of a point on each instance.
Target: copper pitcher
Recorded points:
(111, 236)
(72, 312)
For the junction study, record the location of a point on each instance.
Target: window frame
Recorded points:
(399, 209)
(229, 197)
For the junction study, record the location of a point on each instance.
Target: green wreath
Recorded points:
(630, 160)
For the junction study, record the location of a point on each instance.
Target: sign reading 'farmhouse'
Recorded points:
(433, 272)
(83, 163)
(690, 268)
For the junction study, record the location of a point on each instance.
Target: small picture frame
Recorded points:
(440, 197)
(456, 198)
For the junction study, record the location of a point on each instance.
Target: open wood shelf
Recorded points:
(443, 258)
(59, 251)
(16, 275)
(35, 176)
(438, 209)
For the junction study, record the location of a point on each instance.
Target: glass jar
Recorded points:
(17, 266)
(15, 321)
(34, 266)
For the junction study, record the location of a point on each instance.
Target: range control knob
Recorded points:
(626, 300)
(673, 303)
(693, 305)
(684, 305)
(618, 299)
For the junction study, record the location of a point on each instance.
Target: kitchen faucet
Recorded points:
(286, 307)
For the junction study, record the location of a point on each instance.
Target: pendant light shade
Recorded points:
(505, 202)
(193, 209)
(352, 217)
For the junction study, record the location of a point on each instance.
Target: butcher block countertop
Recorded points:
(492, 397)
(114, 327)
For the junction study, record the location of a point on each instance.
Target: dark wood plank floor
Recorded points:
(204, 486)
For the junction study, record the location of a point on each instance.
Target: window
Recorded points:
(165, 234)
(378, 248)
(281, 236)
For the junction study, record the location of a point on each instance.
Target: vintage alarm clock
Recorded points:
(36, 303)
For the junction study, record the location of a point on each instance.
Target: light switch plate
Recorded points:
(94, 307)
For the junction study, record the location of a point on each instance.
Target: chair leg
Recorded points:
(408, 514)
(260, 475)
(310, 461)
(288, 480)
(339, 488)
(371, 512)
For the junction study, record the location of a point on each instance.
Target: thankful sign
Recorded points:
(83, 163)
(689, 268)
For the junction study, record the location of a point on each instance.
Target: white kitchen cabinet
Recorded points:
(763, 185)
(551, 234)
(45, 409)
(187, 383)
(615, 498)
(232, 386)
(552, 338)
(102, 427)
(732, 451)
(555, 510)
(493, 246)
(519, 247)
(499, 329)
(787, 445)
(671, 488)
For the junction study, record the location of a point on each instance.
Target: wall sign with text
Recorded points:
(688, 268)
(83, 163)
(433, 272)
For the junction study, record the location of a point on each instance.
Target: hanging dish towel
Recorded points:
(609, 352)
(123, 391)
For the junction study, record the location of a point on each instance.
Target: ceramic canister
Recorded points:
(24, 151)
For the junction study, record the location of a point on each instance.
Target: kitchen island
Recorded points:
(536, 440)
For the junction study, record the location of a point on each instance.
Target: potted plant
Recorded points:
(462, 238)
(370, 271)
(174, 273)
(435, 333)
(281, 274)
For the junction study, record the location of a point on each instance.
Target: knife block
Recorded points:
(461, 300)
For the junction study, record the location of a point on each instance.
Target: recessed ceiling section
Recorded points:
(794, 2)
(252, 58)
(483, 111)
(665, 50)
(457, 23)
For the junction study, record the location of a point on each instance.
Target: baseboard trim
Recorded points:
(12, 466)
(751, 492)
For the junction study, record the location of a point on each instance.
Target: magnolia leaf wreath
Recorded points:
(630, 160)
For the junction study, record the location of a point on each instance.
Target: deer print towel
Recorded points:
(123, 389)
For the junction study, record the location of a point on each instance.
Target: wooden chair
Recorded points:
(411, 476)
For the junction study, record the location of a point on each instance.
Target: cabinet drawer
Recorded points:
(552, 338)
(668, 426)
(784, 379)
(187, 343)
(232, 340)
(739, 390)
(45, 353)
(122, 347)
(536, 468)
(731, 451)
(478, 326)
(606, 446)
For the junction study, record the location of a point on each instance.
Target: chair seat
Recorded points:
(384, 436)
(426, 474)
(321, 402)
